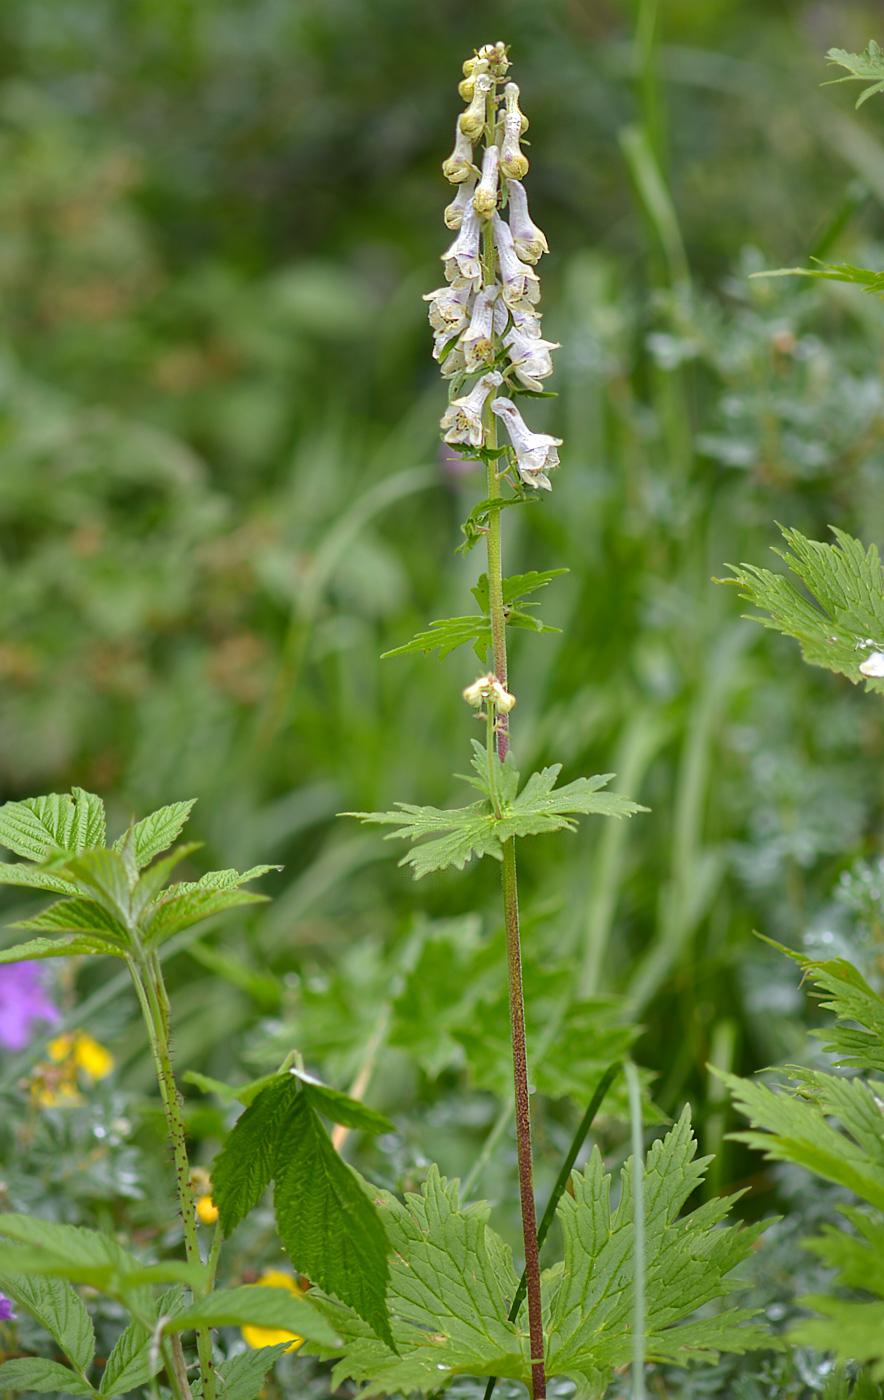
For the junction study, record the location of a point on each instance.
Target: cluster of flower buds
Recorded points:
(485, 317)
(488, 690)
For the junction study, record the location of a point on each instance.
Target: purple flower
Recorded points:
(23, 999)
(6, 1313)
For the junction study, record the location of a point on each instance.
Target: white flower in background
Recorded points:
(513, 163)
(536, 453)
(459, 165)
(462, 419)
(485, 198)
(477, 343)
(461, 259)
(472, 120)
(529, 240)
(530, 357)
(520, 282)
(489, 688)
(455, 211)
(449, 308)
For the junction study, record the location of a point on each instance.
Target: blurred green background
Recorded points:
(222, 497)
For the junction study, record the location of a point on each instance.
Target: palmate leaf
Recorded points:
(451, 1281)
(445, 635)
(860, 68)
(326, 1217)
(460, 833)
(842, 624)
(845, 992)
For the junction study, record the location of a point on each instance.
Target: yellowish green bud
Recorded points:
(485, 198)
(488, 689)
(472, 121)
(455, 211)
(468, 87)
(495, 56)
(459, 165)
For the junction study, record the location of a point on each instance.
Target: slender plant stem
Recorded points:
(151, 991)
(513, 950)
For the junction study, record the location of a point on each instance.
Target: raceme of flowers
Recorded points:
(485, 318)
(23, 1000)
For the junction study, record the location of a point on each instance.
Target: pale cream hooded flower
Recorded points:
(472, 120)
(455, 211)
(520, 281)
(485, 198)
(530, 241)
(461, 260)
(530, 357)
(536, 453)
(513, 163)
(476, 342)
(459, 165)
(462, 419)
(449, 308)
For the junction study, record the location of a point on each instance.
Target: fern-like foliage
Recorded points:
(452, 1282)
(115, 900)
(841, 624)
(865, 67)
(832, 1124)
(456, 835)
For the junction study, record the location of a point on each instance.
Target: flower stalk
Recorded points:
(487, 324)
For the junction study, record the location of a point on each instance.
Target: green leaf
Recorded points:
(259, 1305)
(244, 1168)
(450, 1281)
(842, 623)
(80, 916)
(866, 277)
(243, 1375)
(223, 879)
(53, 1303)
(447, 634)
(33, 1373)
(134, 1359)
(515, 587)
(83, 1256)
(181, 908)
(102, 876)
(468, 831)
(860, 67)
(540, 806)
(475, 527)
(330, 1227)
(58, 948)
(34, 877)
(157, 832)
(39, 826)
(229, 1093)
(340, 1108)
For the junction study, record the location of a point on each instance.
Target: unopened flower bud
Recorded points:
(472, 68)
(513, 164)
(495, 56)
(459, 165)
(454, 211)
(529, 240)
(485, 198)
(489, 689)
(472, 121)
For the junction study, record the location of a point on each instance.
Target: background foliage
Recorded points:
(222, 497)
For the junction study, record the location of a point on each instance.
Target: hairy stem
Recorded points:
(151, 991)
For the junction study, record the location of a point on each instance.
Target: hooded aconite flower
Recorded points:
(536, 453)
(472, 120)
(520, 281)
(462, 419)
(513, 163)
(461, 259)
(530, 357)
(530, 242)
(449, 308)
(485, 198)
(459, 165)
(454, 211)
(477, 343)
(471, 69)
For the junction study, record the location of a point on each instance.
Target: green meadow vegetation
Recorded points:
(225, 512)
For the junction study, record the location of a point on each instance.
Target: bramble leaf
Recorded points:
(84, 1256)
(157, 832)
(842, 623)
(134, 1359)
(79, 916)
(242, 1376)
(75, 947)
(36, 1374)
(34, 877)
(39, 826)
(244, 1167)
(54, 1304)
(259, 1305)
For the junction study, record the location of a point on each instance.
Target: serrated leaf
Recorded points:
(468, 831)
(244, 1167)
(79, 915)
(54, 1304)
(223, 879)
(84, 1256)
(134, 1359)
(842, 623)
(259, 1305)
(476, 523)
(540, 806)
(102, 876)
(868, 278)
(330, 1228)
(39, 826)
(445, 635)
(74, 947)
(861, 67)
(229, 1093)
(33, 877)
(158, 831)
(33, 1373)
(514, 587)
(340, 1108)
(243, 1375)
(177, 911)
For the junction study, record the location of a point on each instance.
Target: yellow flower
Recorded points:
(207, 1211)
(271, 1336)
(86, 1054)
